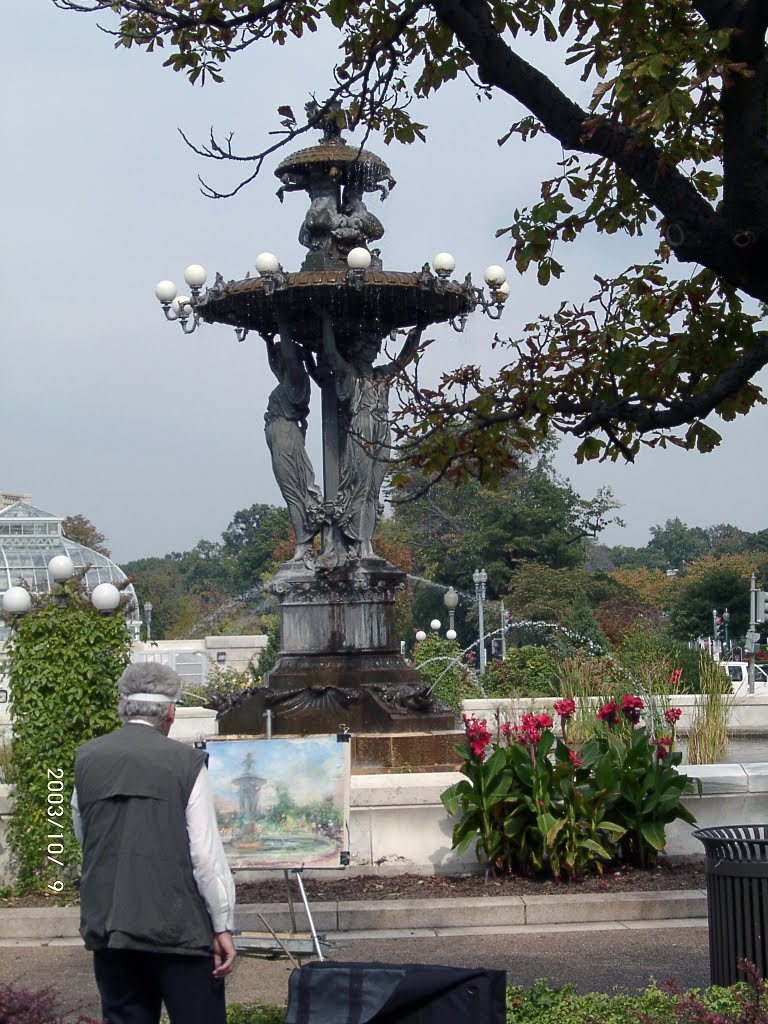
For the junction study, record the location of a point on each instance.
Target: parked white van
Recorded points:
(738, 673)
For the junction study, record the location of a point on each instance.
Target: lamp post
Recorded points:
(480, 578)
(451, 602)
(148, 619)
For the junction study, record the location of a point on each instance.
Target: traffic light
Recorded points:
(719, 624)
(761, 606)
(496, 647)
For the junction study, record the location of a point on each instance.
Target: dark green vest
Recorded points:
(137, 889)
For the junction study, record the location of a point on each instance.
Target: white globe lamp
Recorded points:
(358, 258)
(17, 601)
(450, 634)
(182, 306)
(495, 276)
(502, 292)
(267, 263)
(421, 635)
(435, 624)
(61, 568)
(165, 291)
(195, 275)
(444, 263)
(105, 597)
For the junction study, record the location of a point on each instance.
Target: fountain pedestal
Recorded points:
(340, 663)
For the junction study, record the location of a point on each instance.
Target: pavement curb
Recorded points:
(344, 917)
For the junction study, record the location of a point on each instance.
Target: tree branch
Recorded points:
(700, 234)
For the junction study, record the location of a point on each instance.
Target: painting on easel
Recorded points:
(281, 803)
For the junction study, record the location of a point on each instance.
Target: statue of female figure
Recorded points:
(285, 427)
(363, 393)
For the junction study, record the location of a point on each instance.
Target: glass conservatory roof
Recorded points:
(29, 539)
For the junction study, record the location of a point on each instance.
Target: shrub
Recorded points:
(540, 1004)
(439, 663)
(527, 671)
(64, 661)
(28, 1006)
(537, 804)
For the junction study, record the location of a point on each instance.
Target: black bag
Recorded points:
(330, 992)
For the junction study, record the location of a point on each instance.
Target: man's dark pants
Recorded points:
(133, 985)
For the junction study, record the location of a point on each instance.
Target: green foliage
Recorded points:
(540, 593)
(527, 671)
(664, 145)
(536, 804)
(531, 516)
(82, 531)
(720, 586)
(255, 1013)
(708, 733)
(540, 1004)
(65, 660)
(251, 539)
(583, 625)
(644, 789)
(647, 658)
(213, 587)
(438, 662)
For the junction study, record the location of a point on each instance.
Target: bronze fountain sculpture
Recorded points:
(340, 662)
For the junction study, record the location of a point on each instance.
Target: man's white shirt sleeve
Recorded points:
(209, 862)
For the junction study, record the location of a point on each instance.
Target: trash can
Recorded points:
(736, 864)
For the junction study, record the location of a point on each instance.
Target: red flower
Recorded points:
(565, 707)
(675, 677)
(632, 706)
(528, 732)
(671, 715)
(609, 713)
(576, 758)
(663, 746)
(478, 735)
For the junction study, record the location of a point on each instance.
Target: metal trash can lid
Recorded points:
(735, 842)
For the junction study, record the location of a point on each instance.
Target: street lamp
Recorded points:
(451, 602)
(148, 619)
(480, 578)
(105, 597)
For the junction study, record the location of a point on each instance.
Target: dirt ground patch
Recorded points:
(682, 873)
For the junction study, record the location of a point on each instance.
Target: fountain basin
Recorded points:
(384, 300)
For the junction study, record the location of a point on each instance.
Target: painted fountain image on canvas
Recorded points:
(281, 803)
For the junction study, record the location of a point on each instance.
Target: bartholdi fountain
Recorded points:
(340, 662)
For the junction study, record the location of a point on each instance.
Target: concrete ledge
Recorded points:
(484, 914)
(40, 923)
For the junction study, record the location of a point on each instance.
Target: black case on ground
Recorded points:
(332, 992)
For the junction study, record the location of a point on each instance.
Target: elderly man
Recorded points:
(156, 896)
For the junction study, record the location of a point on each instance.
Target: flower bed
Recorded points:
(531, 802)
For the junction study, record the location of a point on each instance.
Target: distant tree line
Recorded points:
(533, 534)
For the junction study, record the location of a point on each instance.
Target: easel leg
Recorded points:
(315, 940)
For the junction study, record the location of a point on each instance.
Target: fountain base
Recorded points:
(340, 665)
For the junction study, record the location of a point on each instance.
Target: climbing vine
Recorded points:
(65, 659)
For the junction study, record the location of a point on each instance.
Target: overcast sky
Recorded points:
(157, 437)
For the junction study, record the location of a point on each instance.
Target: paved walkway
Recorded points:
(603, 955)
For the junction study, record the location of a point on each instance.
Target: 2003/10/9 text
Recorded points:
(55, 817)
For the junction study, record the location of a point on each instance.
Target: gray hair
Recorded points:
(148, 677)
